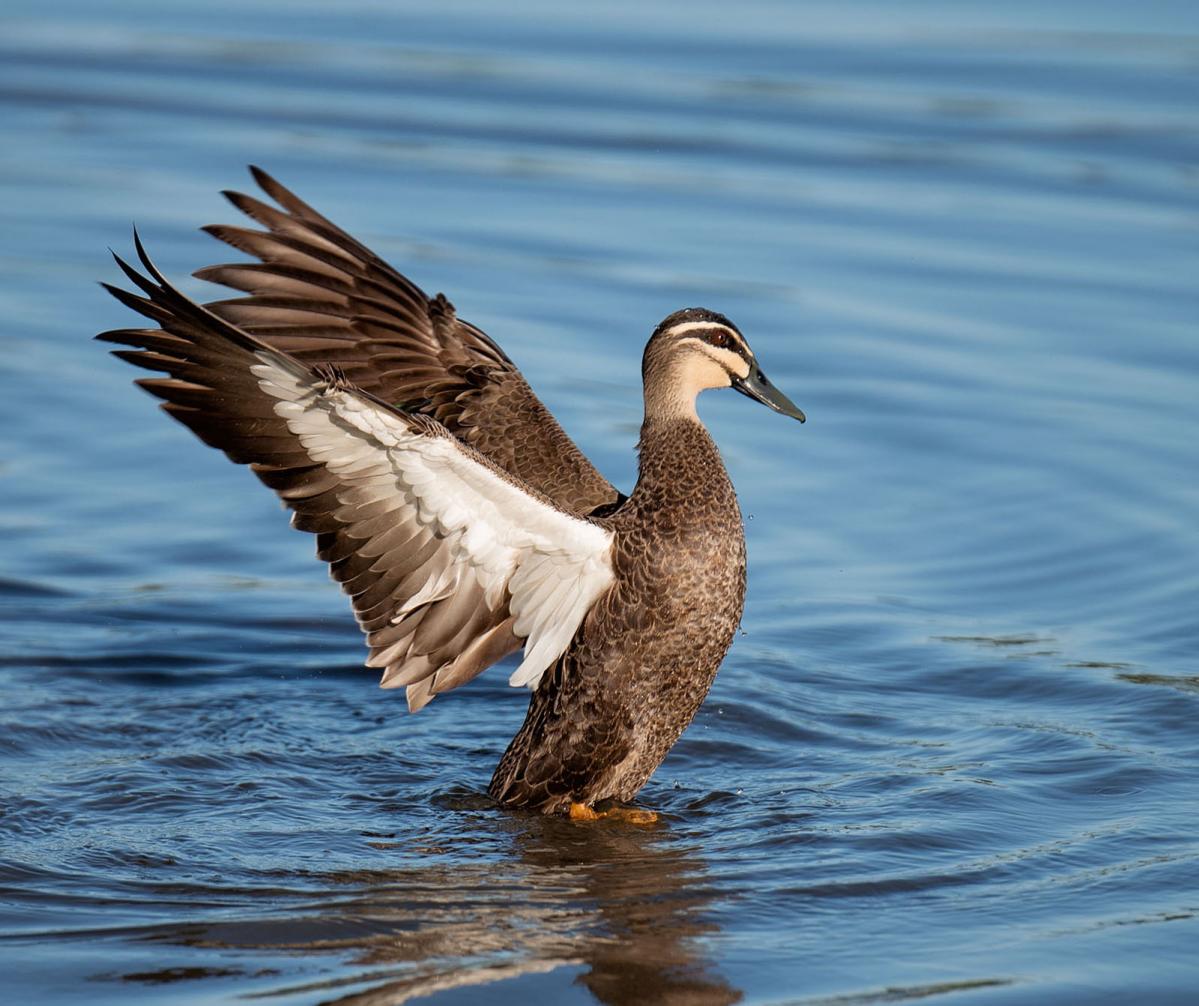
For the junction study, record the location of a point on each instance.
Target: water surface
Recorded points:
(952, 755)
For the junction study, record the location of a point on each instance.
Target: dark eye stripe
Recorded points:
(723, 338)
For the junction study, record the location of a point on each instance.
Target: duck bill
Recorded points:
(755, 385)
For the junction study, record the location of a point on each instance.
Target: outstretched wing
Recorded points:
(451, 562)
(321, 296)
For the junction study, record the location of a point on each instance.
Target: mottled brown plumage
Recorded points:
(647, 653)
(451, 506)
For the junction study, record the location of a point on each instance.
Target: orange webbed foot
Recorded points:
(629, 815)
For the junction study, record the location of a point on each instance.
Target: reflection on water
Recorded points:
(620, 907)
(952, 755)
(1184, 682)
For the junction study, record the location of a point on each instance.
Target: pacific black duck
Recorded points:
(451, 506)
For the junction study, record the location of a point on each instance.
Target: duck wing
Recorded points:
(322, 297)
(451, 561)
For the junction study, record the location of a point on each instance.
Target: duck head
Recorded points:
(696, 349)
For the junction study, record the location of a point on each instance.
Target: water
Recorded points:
(953, 756)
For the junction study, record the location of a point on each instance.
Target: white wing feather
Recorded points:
(553, 565)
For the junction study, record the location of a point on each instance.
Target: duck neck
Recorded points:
(678, 462)
(670, 387)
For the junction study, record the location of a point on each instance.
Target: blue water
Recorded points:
(953, 755)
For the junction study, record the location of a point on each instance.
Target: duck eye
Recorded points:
(720, 339)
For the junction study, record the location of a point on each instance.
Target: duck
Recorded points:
(460, 518)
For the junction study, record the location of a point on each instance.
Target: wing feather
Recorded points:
(320, 295)
(450, 561)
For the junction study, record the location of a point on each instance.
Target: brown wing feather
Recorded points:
(323, 297)
(379, 560)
